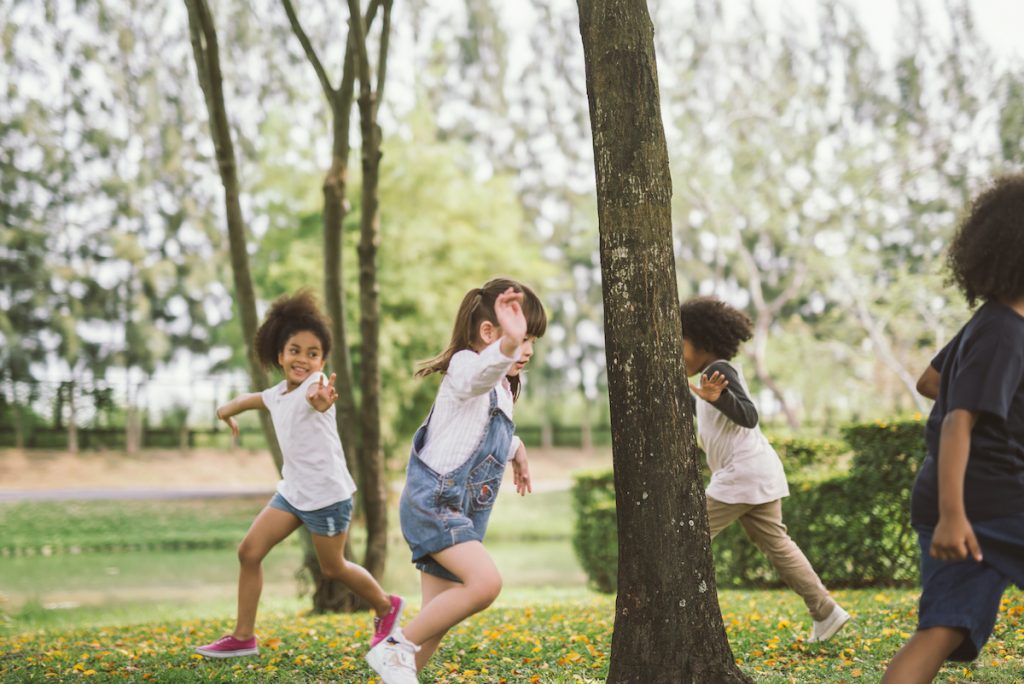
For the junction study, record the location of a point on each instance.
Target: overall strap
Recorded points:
(494, 399)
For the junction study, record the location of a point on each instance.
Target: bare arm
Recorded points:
(928, 383)
(954, 538)
(243, 402)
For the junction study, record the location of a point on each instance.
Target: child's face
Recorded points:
(302, 356)
(691, 358)
(526, 351)
(490, 332)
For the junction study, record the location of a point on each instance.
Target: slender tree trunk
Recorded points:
(73, 445)
(206, 51)
(371, 458)
(330, 595)
(668, 626)
(19, 420)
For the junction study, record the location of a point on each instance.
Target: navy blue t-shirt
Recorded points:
(982, 370)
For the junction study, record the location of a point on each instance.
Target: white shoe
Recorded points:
(394, 659)
(827, 628)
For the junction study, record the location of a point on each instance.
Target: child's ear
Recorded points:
(488, 332)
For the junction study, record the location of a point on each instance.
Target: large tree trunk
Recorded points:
(371, 458)
(207, 56)
(668, 626)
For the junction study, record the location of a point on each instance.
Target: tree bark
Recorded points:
(203, 33)
(358, 425)
(371, 458)
(668, 626)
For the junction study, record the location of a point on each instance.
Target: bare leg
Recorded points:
(920, 658)
(431, 587)
(481, 584)
(269, 528)
(331, 553)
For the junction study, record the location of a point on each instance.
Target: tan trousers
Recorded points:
(763, 524)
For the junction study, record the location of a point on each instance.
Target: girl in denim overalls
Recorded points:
(456, 466)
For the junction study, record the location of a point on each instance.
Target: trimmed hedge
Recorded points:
(596, 536)
(855, 528)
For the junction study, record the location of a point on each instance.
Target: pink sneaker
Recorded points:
(229, 647)
(384, 626)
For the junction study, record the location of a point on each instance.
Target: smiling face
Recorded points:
(301, 357)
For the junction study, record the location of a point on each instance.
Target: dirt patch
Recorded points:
(206, 468)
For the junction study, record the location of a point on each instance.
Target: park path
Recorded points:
(151, 494)
(125, 494)
(205, 474)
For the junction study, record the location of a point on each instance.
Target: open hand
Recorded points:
(954, 540)
(508, 309)
(710, 389)
(521, 472)
(322, 395)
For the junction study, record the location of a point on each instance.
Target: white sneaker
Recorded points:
(827, 628)
(394, 659)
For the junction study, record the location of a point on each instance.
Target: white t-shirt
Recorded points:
(744, 466)
(314, 474)
(462, 407)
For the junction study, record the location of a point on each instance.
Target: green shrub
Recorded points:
(596, 538)
(855, 528)
(799, 453)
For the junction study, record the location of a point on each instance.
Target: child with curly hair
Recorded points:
(747, 479)
(967, 504)
(316, 488)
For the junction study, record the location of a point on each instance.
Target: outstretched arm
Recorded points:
(243, 402)
(721, 387)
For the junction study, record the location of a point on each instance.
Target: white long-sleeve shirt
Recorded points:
(462, 407)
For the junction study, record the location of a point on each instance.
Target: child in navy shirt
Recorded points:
(968, 501)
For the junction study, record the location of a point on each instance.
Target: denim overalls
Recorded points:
(440, 511)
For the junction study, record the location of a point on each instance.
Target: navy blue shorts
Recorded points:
(329, 521)
(966, 594)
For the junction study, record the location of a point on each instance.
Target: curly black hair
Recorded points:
(714, 326)
(289, 315)
(986, 256)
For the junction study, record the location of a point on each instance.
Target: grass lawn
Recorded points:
(528, 636)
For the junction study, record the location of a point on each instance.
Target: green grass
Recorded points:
(89, 526)
(527, 636)
(131, 579)
(49, 528)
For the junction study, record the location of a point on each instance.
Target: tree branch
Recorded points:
(307, 47)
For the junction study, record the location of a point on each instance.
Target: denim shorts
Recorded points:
(966, 594)
(329, 521)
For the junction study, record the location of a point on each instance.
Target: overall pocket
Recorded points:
(484, 481)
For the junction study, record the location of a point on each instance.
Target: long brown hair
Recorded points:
(478, 306)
